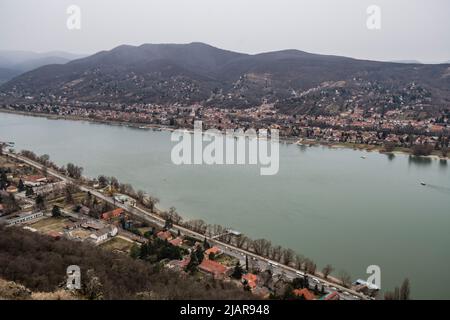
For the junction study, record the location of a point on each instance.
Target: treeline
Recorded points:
(71, 170)
(40, 262)
(399, 293)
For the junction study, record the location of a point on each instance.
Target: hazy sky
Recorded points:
(410, 29)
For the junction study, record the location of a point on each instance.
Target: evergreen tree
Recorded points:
(40, 202)
(193, 263)
(29, 191)
(20, 186)
(56, 212)
(237, 272)
(206, 245)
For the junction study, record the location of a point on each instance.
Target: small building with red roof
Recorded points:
(112, 214)
(164, 235)
(176, 242)
(305, 293)
(214, 268)
(214, 250)
(251, 280)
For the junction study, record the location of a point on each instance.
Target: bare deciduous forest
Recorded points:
(39, 263)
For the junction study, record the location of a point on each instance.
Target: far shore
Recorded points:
(287, 140)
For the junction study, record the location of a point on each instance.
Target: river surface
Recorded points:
(328, 204)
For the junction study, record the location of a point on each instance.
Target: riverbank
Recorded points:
(287, 140)
(319, 204)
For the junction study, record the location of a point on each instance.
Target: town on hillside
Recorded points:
(398, 127)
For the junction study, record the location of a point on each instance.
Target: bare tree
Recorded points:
(103, 181)
(261, 247)
(74, 171)
(197, 225)
(275, 253)
(114, 182)
(405, 290)
(345, 278)
(327, 270)
(299, 261)
(174, 216)
(310, 266)
(288, 256)
(152, 202)
(241, 240)
(140, 196)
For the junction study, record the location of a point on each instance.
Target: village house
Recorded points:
(215, 251)
(34, 181)
(176, 242)
(92, 224)
(179, 265)
(71, 225)
(102, 235)
(47, 188)
(251, 280)
(304, 293)
(24, 217)
(112, 214)
(164, 235)
(214, 268)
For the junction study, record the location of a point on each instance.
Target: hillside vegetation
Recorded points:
(39, 263)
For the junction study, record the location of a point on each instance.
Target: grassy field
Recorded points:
(50, 224)
(61, 201)
(117, 244)
(226, 260)
(80, 233)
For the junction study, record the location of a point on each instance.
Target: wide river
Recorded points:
(328, 204)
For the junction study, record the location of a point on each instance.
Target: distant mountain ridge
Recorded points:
(14, 62)
(296, 81)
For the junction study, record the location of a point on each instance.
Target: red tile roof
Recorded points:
(112, 214)
(308, 295)
(251, 279)
(332, 296)
(35, 178)
(176, 242)
(212, 267)
(54, 234)
(214, 250)
(164, 235)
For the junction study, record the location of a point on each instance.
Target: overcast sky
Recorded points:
(410, 29)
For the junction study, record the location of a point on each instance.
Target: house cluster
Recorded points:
(96, 231)
(19, 189)
(354, 125)
(90, 230)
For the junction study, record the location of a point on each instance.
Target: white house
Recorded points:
(23, 217)
(102, 235)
